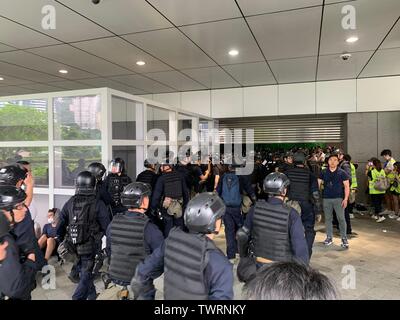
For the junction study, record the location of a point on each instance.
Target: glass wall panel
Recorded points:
(70, 161)
(23, 120)
(60, 200)
(39, 208)
(37, 156)
(77, 118)
(127, 123)
(158, 119)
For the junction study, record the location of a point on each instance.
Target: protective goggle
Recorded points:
(115, 167)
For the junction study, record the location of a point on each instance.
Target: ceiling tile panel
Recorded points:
(373, 21)
(251, 74)
(289, 34)
(218, 38)
(182, 12)
(172, 47)
(121, 16)
(384, 63)
(18, 36)
(332, 67)
(176, 80)
(143, 83)
(123, 53)
(23, 73)
(69, 26)
(77, 58)
(294, 70)
(212, 77)
(393, 39)
(35, 62)
(251, 7)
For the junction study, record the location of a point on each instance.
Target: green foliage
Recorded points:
(22, 123)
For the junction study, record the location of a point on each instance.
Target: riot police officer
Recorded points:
(170, 196)
(194, 268)
(304, 190)
(115, 183)
(17, 278)
(149, 175)
(24, 230)
(83, 222)
(274, 229)
(131, 236)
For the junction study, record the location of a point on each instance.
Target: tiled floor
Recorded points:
(373, 255)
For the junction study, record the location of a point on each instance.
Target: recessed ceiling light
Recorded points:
(140, 63)
(233, 52)
(63, 71)
(1, 78)
(352, 39)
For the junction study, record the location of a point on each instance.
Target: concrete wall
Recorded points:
(344, 96)
(368, 133)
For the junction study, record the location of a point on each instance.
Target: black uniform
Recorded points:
(303, 184)
(115, 185)
(92, 219)
(204, 274)
(17, 279)
(172, 185)
(130, 238)
(148, 176)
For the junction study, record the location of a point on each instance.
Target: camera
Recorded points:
(96, 1)
(345, 56)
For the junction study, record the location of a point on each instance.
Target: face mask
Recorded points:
(50, 220)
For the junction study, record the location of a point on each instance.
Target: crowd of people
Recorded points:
(130, 233)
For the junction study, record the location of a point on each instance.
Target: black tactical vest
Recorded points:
(173, 185)
(83, 227)
(115, 187)
(270, 232)
(185, 260)
(299, 188)
(127, 246)
(147, 176)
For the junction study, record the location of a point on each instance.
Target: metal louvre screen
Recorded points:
(289, 129)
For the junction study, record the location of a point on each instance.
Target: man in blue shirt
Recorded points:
(335, 197)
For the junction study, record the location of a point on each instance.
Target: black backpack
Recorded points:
(82, 225)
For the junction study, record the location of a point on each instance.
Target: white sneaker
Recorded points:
(392, 216)
(375, 217)
(398, 219)
(381, 219)
(386, 212)
(351, 216)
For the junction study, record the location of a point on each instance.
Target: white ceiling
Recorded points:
(185, 43)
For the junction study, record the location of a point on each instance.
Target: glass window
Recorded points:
(23, 120)
(37, 156)
(39, 208)
(124, 123)
(184, 122)
(69, 161)
(128, 154)
(158, 119)
(77, 118)
(60, 200)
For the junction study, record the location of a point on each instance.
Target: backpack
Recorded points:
(231, 190)
(381, 184)
(82, 221)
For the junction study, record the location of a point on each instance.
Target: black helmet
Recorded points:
(203, 211)
(10, 175)
(85, 184)
(167, 162)
(275, 183)
(97, 169)
(10, 196)
(149, 162)
(117, 165)
(299, 157)
(133, 194)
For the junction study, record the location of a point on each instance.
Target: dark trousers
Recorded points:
(85, 289)
(308, 219)
(170, 222)
(233, 220)
(376, 202)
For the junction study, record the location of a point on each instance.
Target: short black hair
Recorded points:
(333, 155)
(347, 157)
(386, 152)
(290, 281)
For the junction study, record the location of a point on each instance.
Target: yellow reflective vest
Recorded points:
(375, 175)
